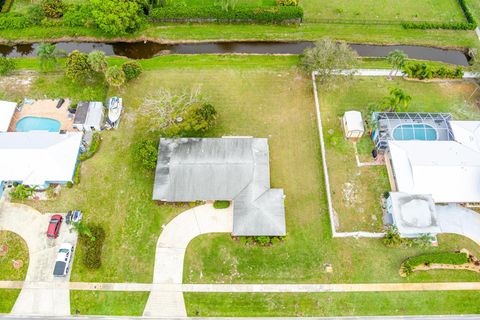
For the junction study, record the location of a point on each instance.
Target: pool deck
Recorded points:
(47, 109)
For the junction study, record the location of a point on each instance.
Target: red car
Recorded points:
(54, 226)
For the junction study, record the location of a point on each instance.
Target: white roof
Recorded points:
(413, 214)
(467, 133)
(354, 121)
(447, 170)
(7, 109)
(95, 114)
(37, 157)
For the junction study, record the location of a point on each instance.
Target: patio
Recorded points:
(45, 108)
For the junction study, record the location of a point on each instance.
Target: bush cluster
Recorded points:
(78, 16)
(470, 24)
(76, 175)
(221, 204)
(287, 3)
(53, 8)
(132, 69)
(456, 258)
(14, 20)
(96, 139)
(92, 246)
(7, 65)
(262, 240)
(423, 71)
(146, 153)
(279, 14)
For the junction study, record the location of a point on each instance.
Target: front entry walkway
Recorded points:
(167, 301)
(453, 218)
(54, 297)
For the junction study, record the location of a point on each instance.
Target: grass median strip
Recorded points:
(108, 303)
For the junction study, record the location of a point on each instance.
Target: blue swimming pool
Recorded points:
(414, 131)
(37, 123)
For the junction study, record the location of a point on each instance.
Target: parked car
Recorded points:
(64, 257)
(73, 216)
(54, 226)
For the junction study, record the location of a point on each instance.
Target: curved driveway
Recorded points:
(170, 253)
(454, 218)
(53, 298)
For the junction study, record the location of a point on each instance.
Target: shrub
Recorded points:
(92, 245)
(77, 66)
(78, 15)
(76, 175)
(53, 8)
(7, 65)
(392, 237)
(132, 69)
(287, 3)
(96, 139)
(115, 76)
(279, 14)
(423, 71)
(35, 14)
(21, 192)
(117, 17)
(221, 204)
(97, 61)
(14, 20)
(146, 152)
(455, 258)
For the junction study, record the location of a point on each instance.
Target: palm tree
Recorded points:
(397, 59)
(47, 54)
(397, 101)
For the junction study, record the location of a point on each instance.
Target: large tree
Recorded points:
(117, 17)
(97, 61)
(178, 114)
(77, 66)
(328, 57)
(397, 101)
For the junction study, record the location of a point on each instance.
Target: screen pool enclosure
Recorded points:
(409, 126)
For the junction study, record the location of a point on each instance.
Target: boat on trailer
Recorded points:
(115, 106)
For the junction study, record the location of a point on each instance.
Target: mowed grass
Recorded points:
(381, 10)
(357, 192)
(7, 299)
(332, 304)
(16, 250)
(112, 303)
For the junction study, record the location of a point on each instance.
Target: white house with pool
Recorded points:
(37, 153)
(430, 154)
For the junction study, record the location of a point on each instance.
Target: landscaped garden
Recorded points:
(258, 96)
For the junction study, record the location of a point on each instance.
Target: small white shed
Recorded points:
(89, 116)
(353, 125)
(7, 109)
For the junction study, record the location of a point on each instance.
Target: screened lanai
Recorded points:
(410, 126)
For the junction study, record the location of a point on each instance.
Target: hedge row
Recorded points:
(14, 20)
(442, 258)
(423, 71)
(470, 24)
(279, 14)
(6, 6)
(92, 246)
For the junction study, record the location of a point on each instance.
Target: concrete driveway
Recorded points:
(170, 253)
(53, 298)
(453, 218)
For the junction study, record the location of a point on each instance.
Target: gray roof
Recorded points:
(81, 113)
(237, 169)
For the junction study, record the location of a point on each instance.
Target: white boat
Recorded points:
(114, 109)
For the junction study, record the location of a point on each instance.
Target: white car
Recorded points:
(64, 257)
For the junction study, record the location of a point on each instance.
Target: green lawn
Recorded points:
(17, 250)
(383, 10)
(112, 303)
(356, 192)
(7, 299)
(332, 304)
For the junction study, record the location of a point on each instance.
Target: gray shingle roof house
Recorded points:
(190, 169)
